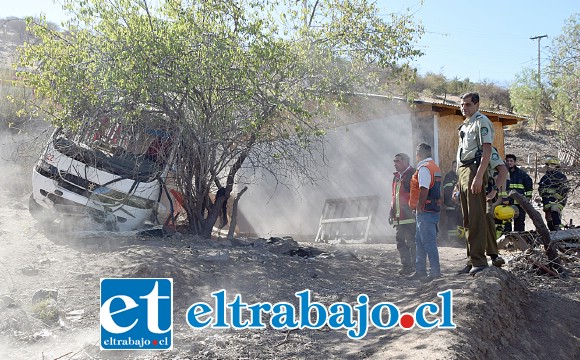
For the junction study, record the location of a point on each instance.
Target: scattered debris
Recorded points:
(75, 315)
(44, 333)
(6, 302)
(278, 245)
(29, 270)
(44, 294)
(552, 242)
(216, 256)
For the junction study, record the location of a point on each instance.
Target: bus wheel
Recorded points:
(37, 212)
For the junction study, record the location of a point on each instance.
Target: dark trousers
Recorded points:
(449, 221)
(405, 236)
(554, 220)
(519, 221)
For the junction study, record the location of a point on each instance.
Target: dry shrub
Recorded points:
(521, 128)
(46, 310)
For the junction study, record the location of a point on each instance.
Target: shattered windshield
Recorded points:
(127, 150)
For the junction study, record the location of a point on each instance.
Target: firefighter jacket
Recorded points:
(553, 189)
(433, 202)
(520, 181)
(401, 190)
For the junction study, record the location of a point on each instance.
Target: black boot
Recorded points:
(497, 260)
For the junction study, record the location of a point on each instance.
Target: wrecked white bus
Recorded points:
(112, 174)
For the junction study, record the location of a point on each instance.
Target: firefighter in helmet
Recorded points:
(520, 182)
(553, 189)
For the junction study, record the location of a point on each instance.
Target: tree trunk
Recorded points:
(234, 218)
(536, 217)
(213, 212)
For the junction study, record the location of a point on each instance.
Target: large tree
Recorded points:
(528, 96)
(239, 83)
(564, 75)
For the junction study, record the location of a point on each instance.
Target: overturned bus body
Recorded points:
(113, 175)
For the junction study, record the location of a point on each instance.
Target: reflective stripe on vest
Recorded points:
(406, 221)
(397, 204)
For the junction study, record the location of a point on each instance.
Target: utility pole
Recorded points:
(539, 38)
(540, 89)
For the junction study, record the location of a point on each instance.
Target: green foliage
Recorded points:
(527, 96)
(46, 310)
(436, 83)
(13, 100)
(237, 81)
(564, 75)
(459, 87)
(16, 106)
(564, 72)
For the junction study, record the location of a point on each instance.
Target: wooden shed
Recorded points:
(361, 143)
(435, 122)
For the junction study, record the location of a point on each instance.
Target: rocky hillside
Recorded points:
(529, 145)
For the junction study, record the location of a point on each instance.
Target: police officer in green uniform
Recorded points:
(473, 155)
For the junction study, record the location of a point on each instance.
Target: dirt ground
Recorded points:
(508, 313)
(498, 314)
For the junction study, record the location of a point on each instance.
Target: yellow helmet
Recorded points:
(505, 212)
(552, 160)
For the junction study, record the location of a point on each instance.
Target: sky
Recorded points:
(485, 40)
(479, 40)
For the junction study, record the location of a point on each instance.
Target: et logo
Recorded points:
(136, 314)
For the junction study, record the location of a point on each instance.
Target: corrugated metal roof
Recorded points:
(452, 105)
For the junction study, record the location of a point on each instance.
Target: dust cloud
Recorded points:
(359, 163)
(19, 151)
